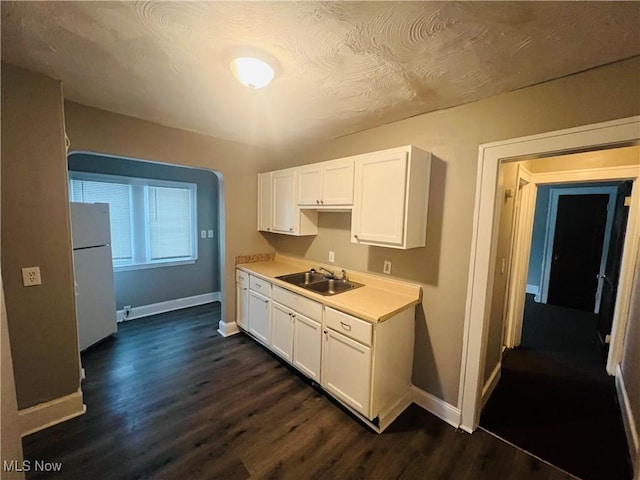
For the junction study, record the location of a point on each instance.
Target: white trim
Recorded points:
(226, 329)
(491, 384)
(534, 289)
(387, 417)
(552, 216)
(168, 306)
(515, 297)
(480, 280)
(432, 404)
(627, 417)
(47, 414)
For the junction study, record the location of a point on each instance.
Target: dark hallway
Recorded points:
(555, 399)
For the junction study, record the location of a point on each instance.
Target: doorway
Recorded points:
(555, 398)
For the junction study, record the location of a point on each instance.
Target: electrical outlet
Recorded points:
(332, 256)
(31, 276)
(203, 234)
(387, 267)
(210, 233)
(126, 311)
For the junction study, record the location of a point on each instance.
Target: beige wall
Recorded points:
(453, 137)
(94, 130)
(35, 232)
(631, 360)
(10, 440)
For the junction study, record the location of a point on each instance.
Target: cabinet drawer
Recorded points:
(353, 327)
(242, 277)
(296, 302)
(258, 285)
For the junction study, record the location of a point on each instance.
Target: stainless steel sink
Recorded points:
(302, 278)
(331, 286)
(319, 283)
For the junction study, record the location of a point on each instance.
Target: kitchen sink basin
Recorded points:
(332, 287)
(319, 283)
(302, 278)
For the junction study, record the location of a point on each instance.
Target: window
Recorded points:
(153, 222)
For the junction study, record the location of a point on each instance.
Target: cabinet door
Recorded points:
(307, 346)
(242, 306)
(282, 326)
(346, 370)
(264, 201)
(337, 182)
(283, 207)
(309, 185)
(259, 314)
(379, 199)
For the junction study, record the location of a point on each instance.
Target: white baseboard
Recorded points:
(386, 417)
(491, 383)
(47, 414)
(535, 289)
(436, 406)
(628, 418)
(168, 306)
(226, 329)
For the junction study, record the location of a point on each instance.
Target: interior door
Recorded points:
(614, 258)
(577, 250)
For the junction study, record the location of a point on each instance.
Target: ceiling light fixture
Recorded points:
(252, 72)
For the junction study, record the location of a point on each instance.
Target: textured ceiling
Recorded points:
(341, 66)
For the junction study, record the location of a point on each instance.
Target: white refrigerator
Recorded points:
(93, 270)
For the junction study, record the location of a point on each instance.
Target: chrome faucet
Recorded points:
(344, 275)
(331, 274)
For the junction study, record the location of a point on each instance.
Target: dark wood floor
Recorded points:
(555, 398)
(168, 398)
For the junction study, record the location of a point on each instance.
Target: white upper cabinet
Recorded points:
(391, 196)
(326, 184)
(387, 192)
(310, 185)
(264, 201)
(283, 206)
(277, 208)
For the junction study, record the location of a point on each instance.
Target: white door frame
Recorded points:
(483, 247)
(520, 252)
(555, 194)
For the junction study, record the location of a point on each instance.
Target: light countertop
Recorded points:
(378, 300)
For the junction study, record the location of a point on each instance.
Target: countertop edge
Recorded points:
(329, 301)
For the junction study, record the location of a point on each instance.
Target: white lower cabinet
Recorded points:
(366, 366)
(282, 328)
(242, 299)
(307, 346)
(259, 316)
(346, 370)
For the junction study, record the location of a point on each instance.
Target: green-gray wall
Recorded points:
(160, 284)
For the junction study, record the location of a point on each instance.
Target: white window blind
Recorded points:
(153, 222)
(170, 228)
(118, 196)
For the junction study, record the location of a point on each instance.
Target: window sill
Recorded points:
(143, 266)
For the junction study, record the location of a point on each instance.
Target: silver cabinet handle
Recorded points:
(355, 236)
(291, 229)
(346, 326)
(317, 202)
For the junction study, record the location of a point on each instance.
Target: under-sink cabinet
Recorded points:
(300, 338)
